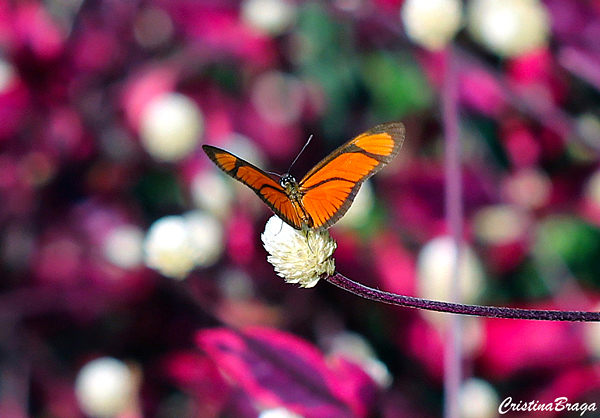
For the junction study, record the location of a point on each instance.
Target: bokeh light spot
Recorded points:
(124, 246)
(105, 388)
(271, 16)
(432, 23)
(435, 265)
(171, 127)
(478, 399)
(509, 27)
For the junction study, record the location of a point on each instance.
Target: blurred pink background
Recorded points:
(134, 281)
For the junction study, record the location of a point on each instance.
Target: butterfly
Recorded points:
(326, 192)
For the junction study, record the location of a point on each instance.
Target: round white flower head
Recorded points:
(298, 256)
(171, 127)
(432, 23)
(478, 399)
(175, 245)
(167, 247)
(124, 246)
(105, 388)
(509, 27)
(271, 16)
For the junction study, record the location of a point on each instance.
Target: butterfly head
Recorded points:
(289, 183)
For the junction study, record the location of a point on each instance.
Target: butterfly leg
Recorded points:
(305, 232)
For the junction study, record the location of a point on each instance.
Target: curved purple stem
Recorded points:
(458, 308)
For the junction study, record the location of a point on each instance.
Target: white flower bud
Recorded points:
(298, 256)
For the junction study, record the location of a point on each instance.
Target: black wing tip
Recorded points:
(212, 152)
(388, 126)
(394, 128)
(397, 129)
(209, 148)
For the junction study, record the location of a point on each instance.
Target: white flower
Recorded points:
(205, 233)
(175, 245)
(298, 256)
(211, 191)
(105, 388)
(509, 27)
(171, 127)
(478, 399)
(435, 269)
(432, 23)
(168, 248)
(124, 246)
(278, 413)
(591, 334)
(499, 224)
(272, 16)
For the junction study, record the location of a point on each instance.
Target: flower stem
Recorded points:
(458, 308)
(454, 219)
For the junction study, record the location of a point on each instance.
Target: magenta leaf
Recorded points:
(279, 369)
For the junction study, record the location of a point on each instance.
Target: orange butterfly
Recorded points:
(326, 192)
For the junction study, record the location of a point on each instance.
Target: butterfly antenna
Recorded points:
(273, 173)
(300, 153)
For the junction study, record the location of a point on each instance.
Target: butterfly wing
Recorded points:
(264, 186)
(330, 187)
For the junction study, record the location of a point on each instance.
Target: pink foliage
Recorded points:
(280, 369)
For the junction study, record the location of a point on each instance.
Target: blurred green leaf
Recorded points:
(395, 84)
(159, 193)
(226, 75)
(527, 283)
(326, 55)
(390, 85)
(569, 240)
(488, 131)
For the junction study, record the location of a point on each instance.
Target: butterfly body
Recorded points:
(292, 190)
(326, 192)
